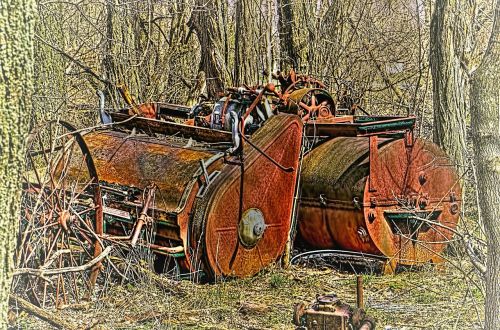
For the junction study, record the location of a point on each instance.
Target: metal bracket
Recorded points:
(373, 149)
(209, 178)
(409, 138)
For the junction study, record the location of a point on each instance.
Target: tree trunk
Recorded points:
(448, 77)
(239, 42)
(109, 67)
(203, 21)
(247, 42)
(485, 124)
(269, 40)
(288, 48)
(16, 73)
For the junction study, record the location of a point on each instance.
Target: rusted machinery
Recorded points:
(379, 195)
(328, 312)
(221, 207)
(216, 209)
(216, 187)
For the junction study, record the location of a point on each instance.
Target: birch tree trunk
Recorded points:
(485, 124)
(16, 70)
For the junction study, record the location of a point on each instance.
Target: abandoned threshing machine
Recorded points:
(222, 187)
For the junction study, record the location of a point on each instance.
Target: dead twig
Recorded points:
(43, 272)
(41, 313)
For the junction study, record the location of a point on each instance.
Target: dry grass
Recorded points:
(427, 299)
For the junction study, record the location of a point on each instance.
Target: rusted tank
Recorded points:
(395, 197)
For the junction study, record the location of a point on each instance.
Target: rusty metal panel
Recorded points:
(137, 161)
(170, 128)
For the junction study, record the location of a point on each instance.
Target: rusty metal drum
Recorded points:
(391, 197)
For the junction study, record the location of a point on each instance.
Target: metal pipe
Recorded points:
(103, 115)
(359, 291)
(167, 249)
(234, 131)
(267, 106)
(142, 218)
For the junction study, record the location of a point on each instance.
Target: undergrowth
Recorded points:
(424, 299)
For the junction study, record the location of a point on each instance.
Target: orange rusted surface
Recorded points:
(147, 110)
(216, 183)
(138, 161)
(258, 187)
(377, 207)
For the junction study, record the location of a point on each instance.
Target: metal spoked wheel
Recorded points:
(57, 256)
(312, 103)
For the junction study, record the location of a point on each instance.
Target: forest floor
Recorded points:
(424, 299)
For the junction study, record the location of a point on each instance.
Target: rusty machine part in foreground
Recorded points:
(328, 312)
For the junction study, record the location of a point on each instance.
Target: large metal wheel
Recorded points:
(60, 220)
(242, 223)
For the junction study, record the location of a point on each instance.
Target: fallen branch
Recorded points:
(43, 272)
(41, 313)
(54, 257)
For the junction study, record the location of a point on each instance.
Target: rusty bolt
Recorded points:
(422, 177)
(363, 234)
(355, 201)
(322, 199)
(454, 208)
(371, 216)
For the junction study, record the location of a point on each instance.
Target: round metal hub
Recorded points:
(251, 227)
